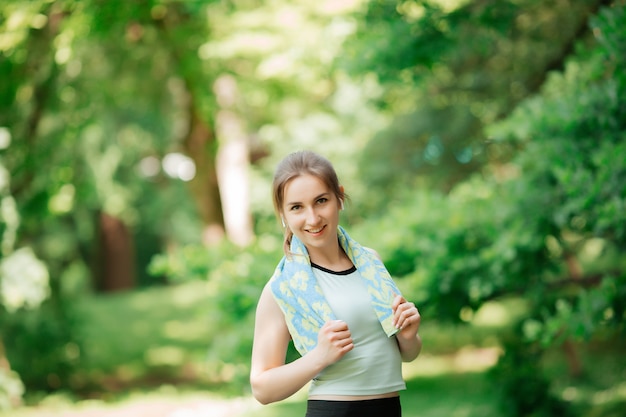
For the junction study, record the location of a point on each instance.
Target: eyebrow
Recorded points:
(291, 203)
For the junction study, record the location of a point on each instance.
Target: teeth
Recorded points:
(315, 230)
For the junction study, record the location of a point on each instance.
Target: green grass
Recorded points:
(143, 339)
(152, 345)
(152, 327)
(455, 395)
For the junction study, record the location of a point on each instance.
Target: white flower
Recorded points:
(11, 389)
(23, 280)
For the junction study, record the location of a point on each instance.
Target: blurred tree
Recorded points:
(84, 133)
(128, 115)
(183, 29)
(548, 226)
(448, 69)
(113, 108)
(233, 162)
(24, 278)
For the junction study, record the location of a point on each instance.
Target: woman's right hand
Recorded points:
(334, 340)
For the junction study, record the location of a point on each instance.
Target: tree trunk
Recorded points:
(199, 143)
(201, 146)
(233, 163)
(115, 265)
(573, 360)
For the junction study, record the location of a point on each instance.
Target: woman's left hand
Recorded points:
(406, 317)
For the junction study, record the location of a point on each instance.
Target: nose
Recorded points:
(311, 216)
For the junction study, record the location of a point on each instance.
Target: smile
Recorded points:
(314, 231)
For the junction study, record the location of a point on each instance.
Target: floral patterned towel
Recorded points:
(301, 299)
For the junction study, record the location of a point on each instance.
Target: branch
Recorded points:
(557, 63)
(40, 60)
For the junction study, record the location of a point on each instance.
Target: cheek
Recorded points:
(332, 210)
(291, 218)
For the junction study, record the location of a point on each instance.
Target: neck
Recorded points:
(333, 258)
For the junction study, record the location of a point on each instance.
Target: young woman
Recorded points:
(335, 300)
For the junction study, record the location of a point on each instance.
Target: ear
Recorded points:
(341, 200)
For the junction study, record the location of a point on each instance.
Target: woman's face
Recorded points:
(311, 211)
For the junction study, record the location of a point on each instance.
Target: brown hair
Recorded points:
(297, 164)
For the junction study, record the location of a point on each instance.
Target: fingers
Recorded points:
(405, 314)
(336, 325)
(334, 340)
(397, 300)
(336, 332)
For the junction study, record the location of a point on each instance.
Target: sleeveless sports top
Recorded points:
(374, 366)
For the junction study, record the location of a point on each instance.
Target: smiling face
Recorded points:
(311, 211)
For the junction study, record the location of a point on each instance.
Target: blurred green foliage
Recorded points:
(523, 384)
(482, 144)
(43, 347)
(548, 223)
(450, 69)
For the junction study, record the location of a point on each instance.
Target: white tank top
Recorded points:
(374, 366)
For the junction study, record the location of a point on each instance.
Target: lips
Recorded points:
(316, 231)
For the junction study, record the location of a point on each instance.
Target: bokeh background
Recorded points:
(482, 143)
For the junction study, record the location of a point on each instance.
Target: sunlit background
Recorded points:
(482, 144)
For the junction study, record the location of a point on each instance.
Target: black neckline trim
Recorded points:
(346, 272)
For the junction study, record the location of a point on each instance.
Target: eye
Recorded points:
(294, 207)
(322, 200)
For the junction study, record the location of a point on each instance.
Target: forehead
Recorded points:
(303, 188)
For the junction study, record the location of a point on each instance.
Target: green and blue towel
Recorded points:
(302, 301)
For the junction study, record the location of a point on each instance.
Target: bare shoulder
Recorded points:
(270, 325)
(268, 313)
(266, 300)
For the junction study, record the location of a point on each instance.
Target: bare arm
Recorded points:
(273, 380)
